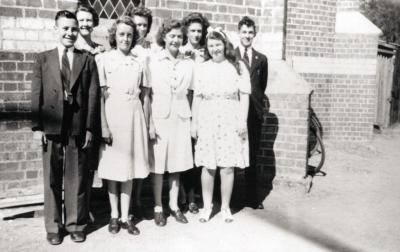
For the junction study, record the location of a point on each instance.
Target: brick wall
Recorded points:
(340, 68)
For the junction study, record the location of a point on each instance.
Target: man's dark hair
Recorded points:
(248, 22)
(66, 14)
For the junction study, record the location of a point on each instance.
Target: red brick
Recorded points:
(13, 185)
(11, 107)
(31, 174)
(176, 4)
(11, 176)
(163, 13)
(24, 66)
(47, 14)
(64, 5)
(51, 4)
(29, 3)
(30, 13)
(10, 86)
(7, 66)
(10, 12)
(28, 76)
(30, 56)
(7, 56)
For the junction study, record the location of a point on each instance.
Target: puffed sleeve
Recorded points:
(244, 79)
(101, 69)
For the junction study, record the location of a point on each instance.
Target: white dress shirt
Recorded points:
(249, 52)
(70, 55)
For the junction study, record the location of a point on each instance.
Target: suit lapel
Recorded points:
(54, 66)
(77, 65)
(254, 61)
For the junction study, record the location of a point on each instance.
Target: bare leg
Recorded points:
(226, 186)
(173, 182)
(113, 197)
(126, 191)
(157, 189)
(207, 185)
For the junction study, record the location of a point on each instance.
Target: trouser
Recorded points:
(65, 160)
(252, 180)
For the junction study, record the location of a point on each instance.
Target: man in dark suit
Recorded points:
(257, 65)
(65, 97)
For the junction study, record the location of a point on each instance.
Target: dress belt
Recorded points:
(232, 96)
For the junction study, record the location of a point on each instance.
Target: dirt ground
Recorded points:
(356, 207)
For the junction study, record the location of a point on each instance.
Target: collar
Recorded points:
(241, 49)
(61, 48)
(162, 55)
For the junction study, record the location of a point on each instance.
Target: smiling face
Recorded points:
(247, 34)
(85, 21)
(124, 37)
(194, 33)
(67, 31)
(142, 24)
(216, 49)
(173, 40)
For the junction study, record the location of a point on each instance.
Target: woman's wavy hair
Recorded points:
(141, 11)
(196, 17)
(87, 8)
(229, 51)
(166, 27)
(113, 30)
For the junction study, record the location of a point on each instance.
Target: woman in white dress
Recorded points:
(170, 78)
(220, 107)
(124, 129)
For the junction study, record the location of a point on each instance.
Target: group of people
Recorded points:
(189, 108)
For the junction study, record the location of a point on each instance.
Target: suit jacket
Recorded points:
(48, 96)
(258, 77)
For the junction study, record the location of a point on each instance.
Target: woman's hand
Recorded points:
(152, 131)
(242, 129)
(193, 130)
(107, 136)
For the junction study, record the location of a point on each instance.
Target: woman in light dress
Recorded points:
(196, 29)
(125, 155)
(220, 107)
(171, 76)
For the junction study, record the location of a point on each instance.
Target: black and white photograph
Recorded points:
(200, 125)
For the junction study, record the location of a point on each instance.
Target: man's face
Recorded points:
(246, 35)
(67, 31)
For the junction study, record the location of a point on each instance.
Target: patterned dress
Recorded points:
(218, 143)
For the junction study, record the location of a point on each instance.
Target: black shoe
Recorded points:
(54, 238)
(114, 226)
(78, 236)
(138, 212)
(132, 229)
(159, 219)
(179, 216)
(260, 206)
(193, 208)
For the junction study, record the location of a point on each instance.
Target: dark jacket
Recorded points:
(48, 97)
(258, 77)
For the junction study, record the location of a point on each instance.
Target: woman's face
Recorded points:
(194, 31)
(85, 21)
(141, 25)
(173, 40)
(216, 48)
(124, 37)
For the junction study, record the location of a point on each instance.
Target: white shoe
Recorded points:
(227, 215)
(205, 215)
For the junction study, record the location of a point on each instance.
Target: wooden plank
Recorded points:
(21, 201)
(34, 210)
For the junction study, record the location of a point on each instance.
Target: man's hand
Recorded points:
(88, 140)
(40, 136)
(152, 131)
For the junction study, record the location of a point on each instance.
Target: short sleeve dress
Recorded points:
(127, 158)
(218, 143)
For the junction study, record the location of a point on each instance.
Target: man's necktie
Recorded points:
(246, 56)
(66, 76)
